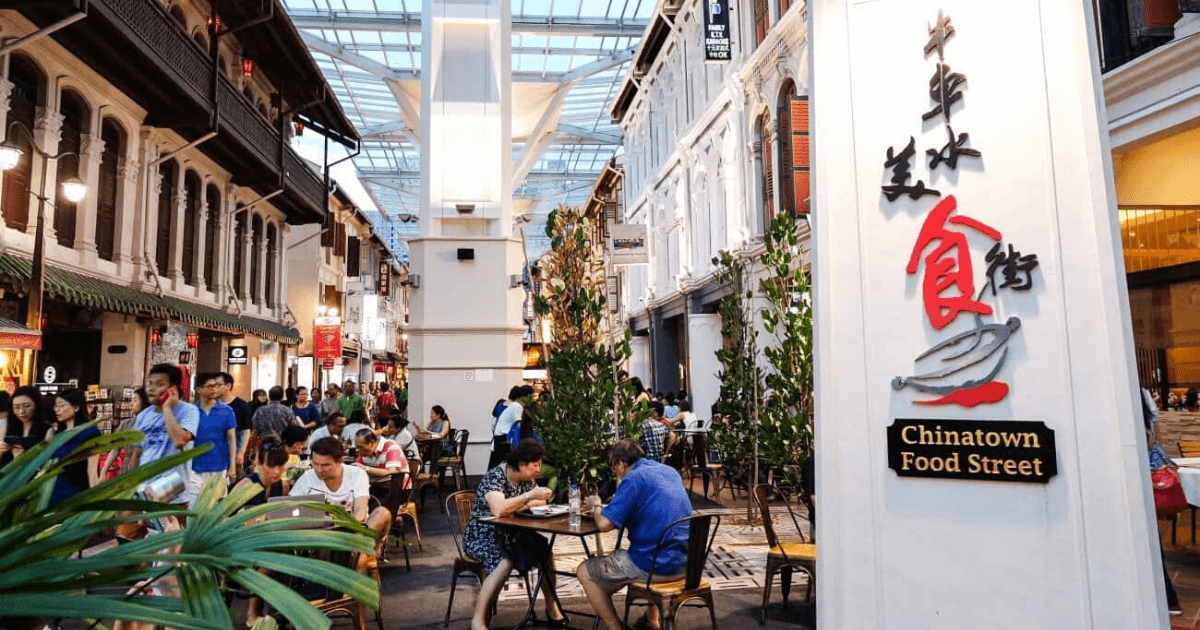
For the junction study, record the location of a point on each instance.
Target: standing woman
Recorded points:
(70, 410)
(505, 489)
(27, 420)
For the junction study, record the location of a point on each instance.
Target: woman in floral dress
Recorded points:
(505, 489)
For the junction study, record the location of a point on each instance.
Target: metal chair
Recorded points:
(784, 557)
(458, 512)
(428, 478)
(398, 499)
(669, 596)
(456, 461)
(701, 464)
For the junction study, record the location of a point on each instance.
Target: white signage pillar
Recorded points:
(980, 457)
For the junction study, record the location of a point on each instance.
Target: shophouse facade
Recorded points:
(342, 269)
(713, 152)
(177, 252)
(1152, 95)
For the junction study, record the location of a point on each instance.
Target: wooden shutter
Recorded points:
(106, 205)
(762, 21)
(166, 206)
(801, 157)
(353, 257)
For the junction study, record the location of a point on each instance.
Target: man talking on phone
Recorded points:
(168, 424)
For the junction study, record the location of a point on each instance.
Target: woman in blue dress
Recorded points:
(505, 489)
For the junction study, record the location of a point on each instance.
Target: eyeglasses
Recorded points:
(212, 385)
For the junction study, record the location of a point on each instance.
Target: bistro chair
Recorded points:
(458, 512)
(669, 596)
(1187, 448)
(456, 461)
(784, 557)
(428, 478)
(408, 509)
(701, 464)
(398, 499)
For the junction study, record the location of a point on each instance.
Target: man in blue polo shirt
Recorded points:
(649, 498)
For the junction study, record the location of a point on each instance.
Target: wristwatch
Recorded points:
(527, 497)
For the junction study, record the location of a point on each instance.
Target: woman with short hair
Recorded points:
(505, 489)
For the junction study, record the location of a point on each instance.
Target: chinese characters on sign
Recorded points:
(716, 31)
(961, 369)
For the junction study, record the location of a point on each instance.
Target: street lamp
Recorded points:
(73, 191)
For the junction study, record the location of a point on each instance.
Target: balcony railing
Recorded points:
(1127, 29)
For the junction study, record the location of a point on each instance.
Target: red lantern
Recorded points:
(155, 336)
(247, 67)
(214, 24)
(193, 340)
(299, 128)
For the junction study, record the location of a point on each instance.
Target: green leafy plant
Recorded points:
(218, 544)
(786, 416)
(588, 403)
(736, 431)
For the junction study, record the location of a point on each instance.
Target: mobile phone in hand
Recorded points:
(165, 396)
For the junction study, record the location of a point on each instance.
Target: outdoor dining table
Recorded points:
(1189, 478)
(553, 525)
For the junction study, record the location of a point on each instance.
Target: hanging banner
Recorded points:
(327, 338)
(716, 31)
(627, 245)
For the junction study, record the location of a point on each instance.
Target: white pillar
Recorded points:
(466, 161)
(899, 549)
(92, 152)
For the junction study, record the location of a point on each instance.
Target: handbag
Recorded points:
(1169, 499)
(527, 550)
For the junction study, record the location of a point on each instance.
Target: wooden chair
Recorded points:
(456, 461)
(334, 603)
(1187, 448)
(458, 512)
(669, 596)
(784, 557)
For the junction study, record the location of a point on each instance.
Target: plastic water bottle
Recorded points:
(573, 502)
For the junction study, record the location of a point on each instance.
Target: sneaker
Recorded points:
(1175, 611)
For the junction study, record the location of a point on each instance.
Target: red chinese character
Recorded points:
(948, 287)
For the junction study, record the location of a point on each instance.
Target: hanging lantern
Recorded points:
(247, 67)
(193, 340)
(214, 24)
(156, 336)
(299, 128)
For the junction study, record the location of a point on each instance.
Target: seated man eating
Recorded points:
(649, 498)
(344, 486)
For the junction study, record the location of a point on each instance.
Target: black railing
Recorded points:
(1127, 29)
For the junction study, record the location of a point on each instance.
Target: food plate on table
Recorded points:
(544, 511)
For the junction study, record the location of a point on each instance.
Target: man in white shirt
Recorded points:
(345, 486)
(510, 416)
(334, 427)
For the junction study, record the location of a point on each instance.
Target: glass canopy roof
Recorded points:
(370, 52)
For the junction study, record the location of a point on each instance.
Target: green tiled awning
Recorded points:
(81, 290)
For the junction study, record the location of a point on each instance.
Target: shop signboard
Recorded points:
(627, 244)
(383, 282)
(972, 324)
(716, 31)
(237, 355)
(327, 364)
(327, 338)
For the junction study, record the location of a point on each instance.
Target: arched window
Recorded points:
(76, 114)
(784, 5)
(212, 197)
(29, 85)
(762, 21)
(793, 150)
(248, 93)
(106, 196)
(262, 109)
(166, 214)
(191, 218)
(767, 175)
(272, 252)
(200, 40)
(239, 252)
(256, 237)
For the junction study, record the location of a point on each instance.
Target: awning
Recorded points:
(14, 336)
(81, 290)
(385, 357)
